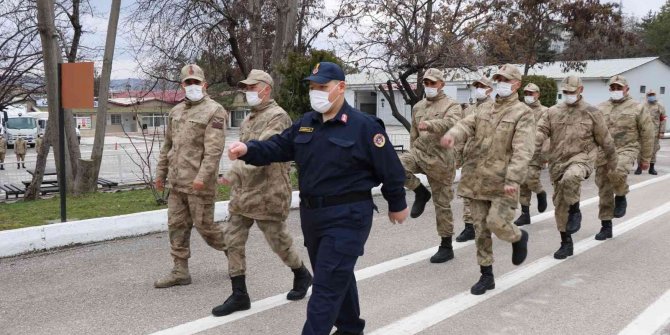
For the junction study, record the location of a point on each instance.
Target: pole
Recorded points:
(61, 146)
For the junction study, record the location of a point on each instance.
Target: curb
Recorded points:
(41, 238)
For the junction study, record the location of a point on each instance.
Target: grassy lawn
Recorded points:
(36, 213)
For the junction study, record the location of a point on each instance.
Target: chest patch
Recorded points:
(306, 130)
(379, 140)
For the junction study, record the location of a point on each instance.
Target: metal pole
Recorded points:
(61, 146)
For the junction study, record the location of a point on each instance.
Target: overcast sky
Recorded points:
(124, 64)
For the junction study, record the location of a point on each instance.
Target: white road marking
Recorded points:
(447, 308)
(209, 322)
(652, 319)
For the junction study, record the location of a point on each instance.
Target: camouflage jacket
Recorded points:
(441, 114)
(39, 143)
(502, 147)
(20, 147)
(632, 130)
(461, 149)
(657, 113)
(194, 141)
(3, 145)
(538, 112)
(261, 192)
(575, 133)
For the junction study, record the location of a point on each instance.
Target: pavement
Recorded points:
(619, 286)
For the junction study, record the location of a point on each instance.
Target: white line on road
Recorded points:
(209, 322)
(449, 307)
(652, 319)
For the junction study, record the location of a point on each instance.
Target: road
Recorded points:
(620, 286)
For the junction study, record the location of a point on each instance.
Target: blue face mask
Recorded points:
(651, 98)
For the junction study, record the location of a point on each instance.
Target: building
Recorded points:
(643, 74)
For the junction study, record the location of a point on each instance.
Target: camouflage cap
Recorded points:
(651, 92)
(484, 81)
(433, 74)
(618, 80)
(531, 88)
(571, 83)
(508, 71)
(257, 76)
(192, 71)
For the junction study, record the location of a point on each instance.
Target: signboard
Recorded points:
(83, 122)
(77, 85)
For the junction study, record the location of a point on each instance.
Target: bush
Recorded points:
(548, 89)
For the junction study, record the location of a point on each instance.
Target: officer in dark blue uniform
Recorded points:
(341, 154)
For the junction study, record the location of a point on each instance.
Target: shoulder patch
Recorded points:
(217, 123)
(379, 140)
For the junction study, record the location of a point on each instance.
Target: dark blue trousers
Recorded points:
(335, 237)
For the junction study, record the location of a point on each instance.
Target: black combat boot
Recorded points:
(24, 165)
(467, 234)
(445, 252)
(524, 218)
(542, 202)
(486, 281)
(238, 301)
(18, 166)
(639, 169)
(2, 166)
(652, 171)
(302, 280)
(422, 195)
(574, 219)
(566, 247)
(605, 230)
(520, 249)
(620, 205)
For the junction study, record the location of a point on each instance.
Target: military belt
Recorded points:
(334, 200)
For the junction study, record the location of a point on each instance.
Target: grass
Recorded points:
(23, 214)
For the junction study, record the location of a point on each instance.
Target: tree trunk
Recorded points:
(285, 31)
(87, 179)
(389, 94)
(256, 24)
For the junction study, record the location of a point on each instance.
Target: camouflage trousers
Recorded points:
(276, 234)
(2, 157)
(657, 148)
(20, 157)
(467, 213)
(186, 211)
(567, 191)
(495, 217)
(611, 183)
(531, 185)
(440, 179)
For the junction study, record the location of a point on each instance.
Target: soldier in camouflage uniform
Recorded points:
(20, 149)
(431, 118)
(3, 151)
(657, 113)
(575, 130)
(483, 89)
(494, 169)
(532, 183)
(633, 134)
(189, 161)
(39, 144)
(260, 194)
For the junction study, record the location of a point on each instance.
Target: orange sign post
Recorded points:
(75, 90)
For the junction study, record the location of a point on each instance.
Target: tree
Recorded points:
(656, 31)
(404, 38)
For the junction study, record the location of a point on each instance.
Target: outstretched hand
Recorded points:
(237, 150)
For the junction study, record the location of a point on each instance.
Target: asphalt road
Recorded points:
(606, 288)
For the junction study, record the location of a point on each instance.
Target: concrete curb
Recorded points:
(41, 238)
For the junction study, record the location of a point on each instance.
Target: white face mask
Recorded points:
(481, 94)
(616, 95)
(570, 99)
(252, 98)
(431, 92)
(319, 101)
(529, 99)
(194, 92)
(504, 89)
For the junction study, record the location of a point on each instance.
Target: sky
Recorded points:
(125, 65)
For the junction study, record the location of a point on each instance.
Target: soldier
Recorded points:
(494, 168)
(532, 183)
(260, 194)
(3, 151)
(39, 143)
(431, 118)
(657, 113)
(20, 149)
(575, 130)
(189, 159)
(341, 154)
(483, 90)
(633, 134)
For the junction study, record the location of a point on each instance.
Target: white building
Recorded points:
(643, 74)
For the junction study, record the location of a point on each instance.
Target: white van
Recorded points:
(43, 119)
(18, 124)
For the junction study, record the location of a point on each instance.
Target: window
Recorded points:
(116, 118)
(560, 96)
(643, 89)
(155, 120)
(662, 89)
